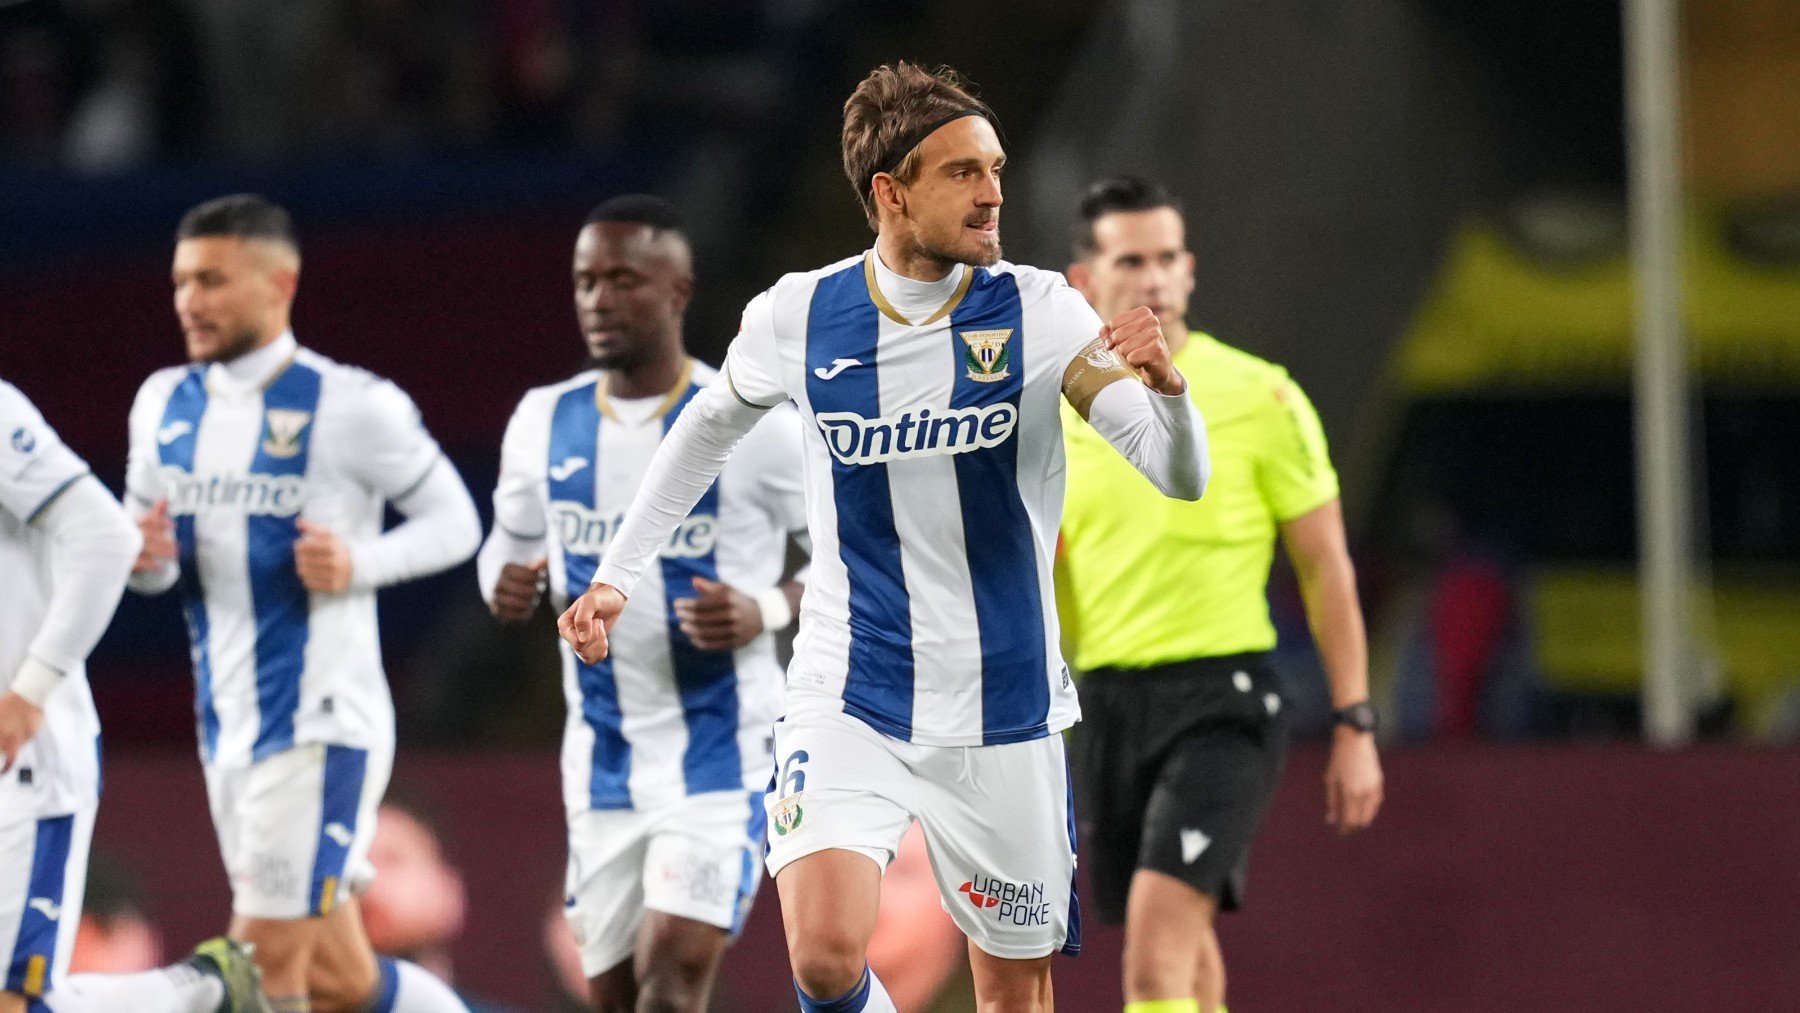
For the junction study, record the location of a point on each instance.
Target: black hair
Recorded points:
(1113, 195)
(639, 209)
(243, 215)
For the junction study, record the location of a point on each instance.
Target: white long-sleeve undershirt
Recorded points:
(440, 530)
(691, 456)
(1162, 436)
(92, 544)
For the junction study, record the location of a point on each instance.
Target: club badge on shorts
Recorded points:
(988, 356)
(788, 814)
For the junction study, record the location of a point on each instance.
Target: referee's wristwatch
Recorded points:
(1359, 716)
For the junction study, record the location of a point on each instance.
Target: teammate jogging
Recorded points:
(1182, 742)
(926, 682)
(260, 472)
(666, 752)
(66, 548)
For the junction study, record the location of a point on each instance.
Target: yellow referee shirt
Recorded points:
(1153, 580)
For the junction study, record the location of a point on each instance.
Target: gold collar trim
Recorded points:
(887, 308)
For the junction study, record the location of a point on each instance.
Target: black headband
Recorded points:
(905, 145)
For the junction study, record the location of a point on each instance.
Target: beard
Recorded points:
(959, 250)
(617, 359)
(232, 348)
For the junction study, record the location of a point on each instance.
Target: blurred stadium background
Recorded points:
(1418, 206)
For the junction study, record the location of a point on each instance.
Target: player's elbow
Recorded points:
(1187, 483)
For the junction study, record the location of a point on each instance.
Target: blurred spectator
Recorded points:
(414, 910)
(115, 935)
(1457, 628)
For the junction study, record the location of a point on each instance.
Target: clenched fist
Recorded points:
(20, 720)
(720, 617)
(1136, 336)
(589, 619)
(518, 591)
(322, 559)
(159, 548)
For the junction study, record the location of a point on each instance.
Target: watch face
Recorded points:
(1360, 716)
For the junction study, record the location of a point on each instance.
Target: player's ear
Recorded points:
(1083, 279)
(888, 194)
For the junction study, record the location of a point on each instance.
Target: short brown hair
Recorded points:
(897, 104)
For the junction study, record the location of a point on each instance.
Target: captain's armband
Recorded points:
(1094, 369)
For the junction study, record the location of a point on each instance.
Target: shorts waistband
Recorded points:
(1218, 666)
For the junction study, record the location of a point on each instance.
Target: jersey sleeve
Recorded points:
(394, 452)
(518, 502)
(752, 368)
(35, 466)
(1091, 366)
(780, 485)
(1294, 469)
(143, 483)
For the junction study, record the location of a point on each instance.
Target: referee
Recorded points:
(1181, 740)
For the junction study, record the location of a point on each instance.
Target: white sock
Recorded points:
(879, 1000)
(177, 989)
(415, 990)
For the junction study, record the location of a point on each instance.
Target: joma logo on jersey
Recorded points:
(916, 432)
(586, 532)
(272, 495)
(1012, 903)
(282, 430)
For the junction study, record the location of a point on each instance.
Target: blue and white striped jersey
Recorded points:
(658, 719)
(934, 476)
(35, 467)
(240, 462)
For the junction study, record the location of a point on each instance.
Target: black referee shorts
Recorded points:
(1175, 766)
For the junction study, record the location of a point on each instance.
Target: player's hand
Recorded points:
(517, 594)
(160, 547)
(322, 559)
(20, 720)
(1136, 336)
(589, 619)
(720, 617)
(1352, 781)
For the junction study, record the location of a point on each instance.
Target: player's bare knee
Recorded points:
(1156, 970)
(827, 963)
(341, 990)
(12, 1002)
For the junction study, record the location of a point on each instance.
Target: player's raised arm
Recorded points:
(690, 457)
(1125, 384)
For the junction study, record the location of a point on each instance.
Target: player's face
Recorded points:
(952, 210)
(231, 295)
(1142, 260)
(631, 288)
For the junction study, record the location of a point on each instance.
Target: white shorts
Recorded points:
(294, 828)
(699, 858)
(998, 822)
(43, 872)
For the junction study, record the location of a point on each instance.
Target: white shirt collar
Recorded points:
(916, 300)
(254, 369)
